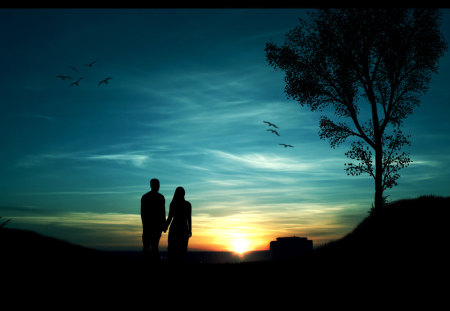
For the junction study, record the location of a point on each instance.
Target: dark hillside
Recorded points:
(23, 248)
(404, 232)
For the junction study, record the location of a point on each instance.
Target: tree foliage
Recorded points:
(366, 70)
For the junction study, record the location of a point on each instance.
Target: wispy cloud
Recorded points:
(262, 161)
(137, 160)
(294, 163)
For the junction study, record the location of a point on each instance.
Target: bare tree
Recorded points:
(366, 70)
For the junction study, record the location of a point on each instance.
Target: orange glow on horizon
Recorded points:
(234, 240)
(238, 245)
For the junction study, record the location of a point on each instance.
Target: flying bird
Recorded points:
(285, 146)
(273, 131)
(76, 82)
(270, 124)
(64, 77)
(90, 64)
(104, 81)
(74, 69)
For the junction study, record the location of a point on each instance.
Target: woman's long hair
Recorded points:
(178, 195)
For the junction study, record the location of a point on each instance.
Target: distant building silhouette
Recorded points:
(290, 247)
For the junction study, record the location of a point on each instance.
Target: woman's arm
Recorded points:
(169, 219)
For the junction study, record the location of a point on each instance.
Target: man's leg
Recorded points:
(154, 248)
(145, 246)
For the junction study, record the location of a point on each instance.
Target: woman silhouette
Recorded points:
(180, 222)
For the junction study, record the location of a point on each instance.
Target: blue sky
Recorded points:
(190, 89)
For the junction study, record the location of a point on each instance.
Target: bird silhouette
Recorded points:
(64, 77)
(74, 69)
(104, 81)
(273, 131)
(270, 124)
(285, 146)
(76, 82)
(90, 64)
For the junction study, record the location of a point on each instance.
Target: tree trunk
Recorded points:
(378, 177)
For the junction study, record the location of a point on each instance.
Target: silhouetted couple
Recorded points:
(153, 215)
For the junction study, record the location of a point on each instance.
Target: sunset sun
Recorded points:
(240, 246)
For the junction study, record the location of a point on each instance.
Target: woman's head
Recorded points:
(179, 193)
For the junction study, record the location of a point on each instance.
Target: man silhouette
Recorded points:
(153, 215)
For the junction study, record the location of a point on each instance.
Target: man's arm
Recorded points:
(163, 215)
(169, 220)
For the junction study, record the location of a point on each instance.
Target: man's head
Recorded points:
(154, 184)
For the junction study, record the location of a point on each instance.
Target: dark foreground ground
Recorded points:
(399, 252)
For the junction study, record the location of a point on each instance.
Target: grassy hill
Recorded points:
(24, 247)
(409, 231)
